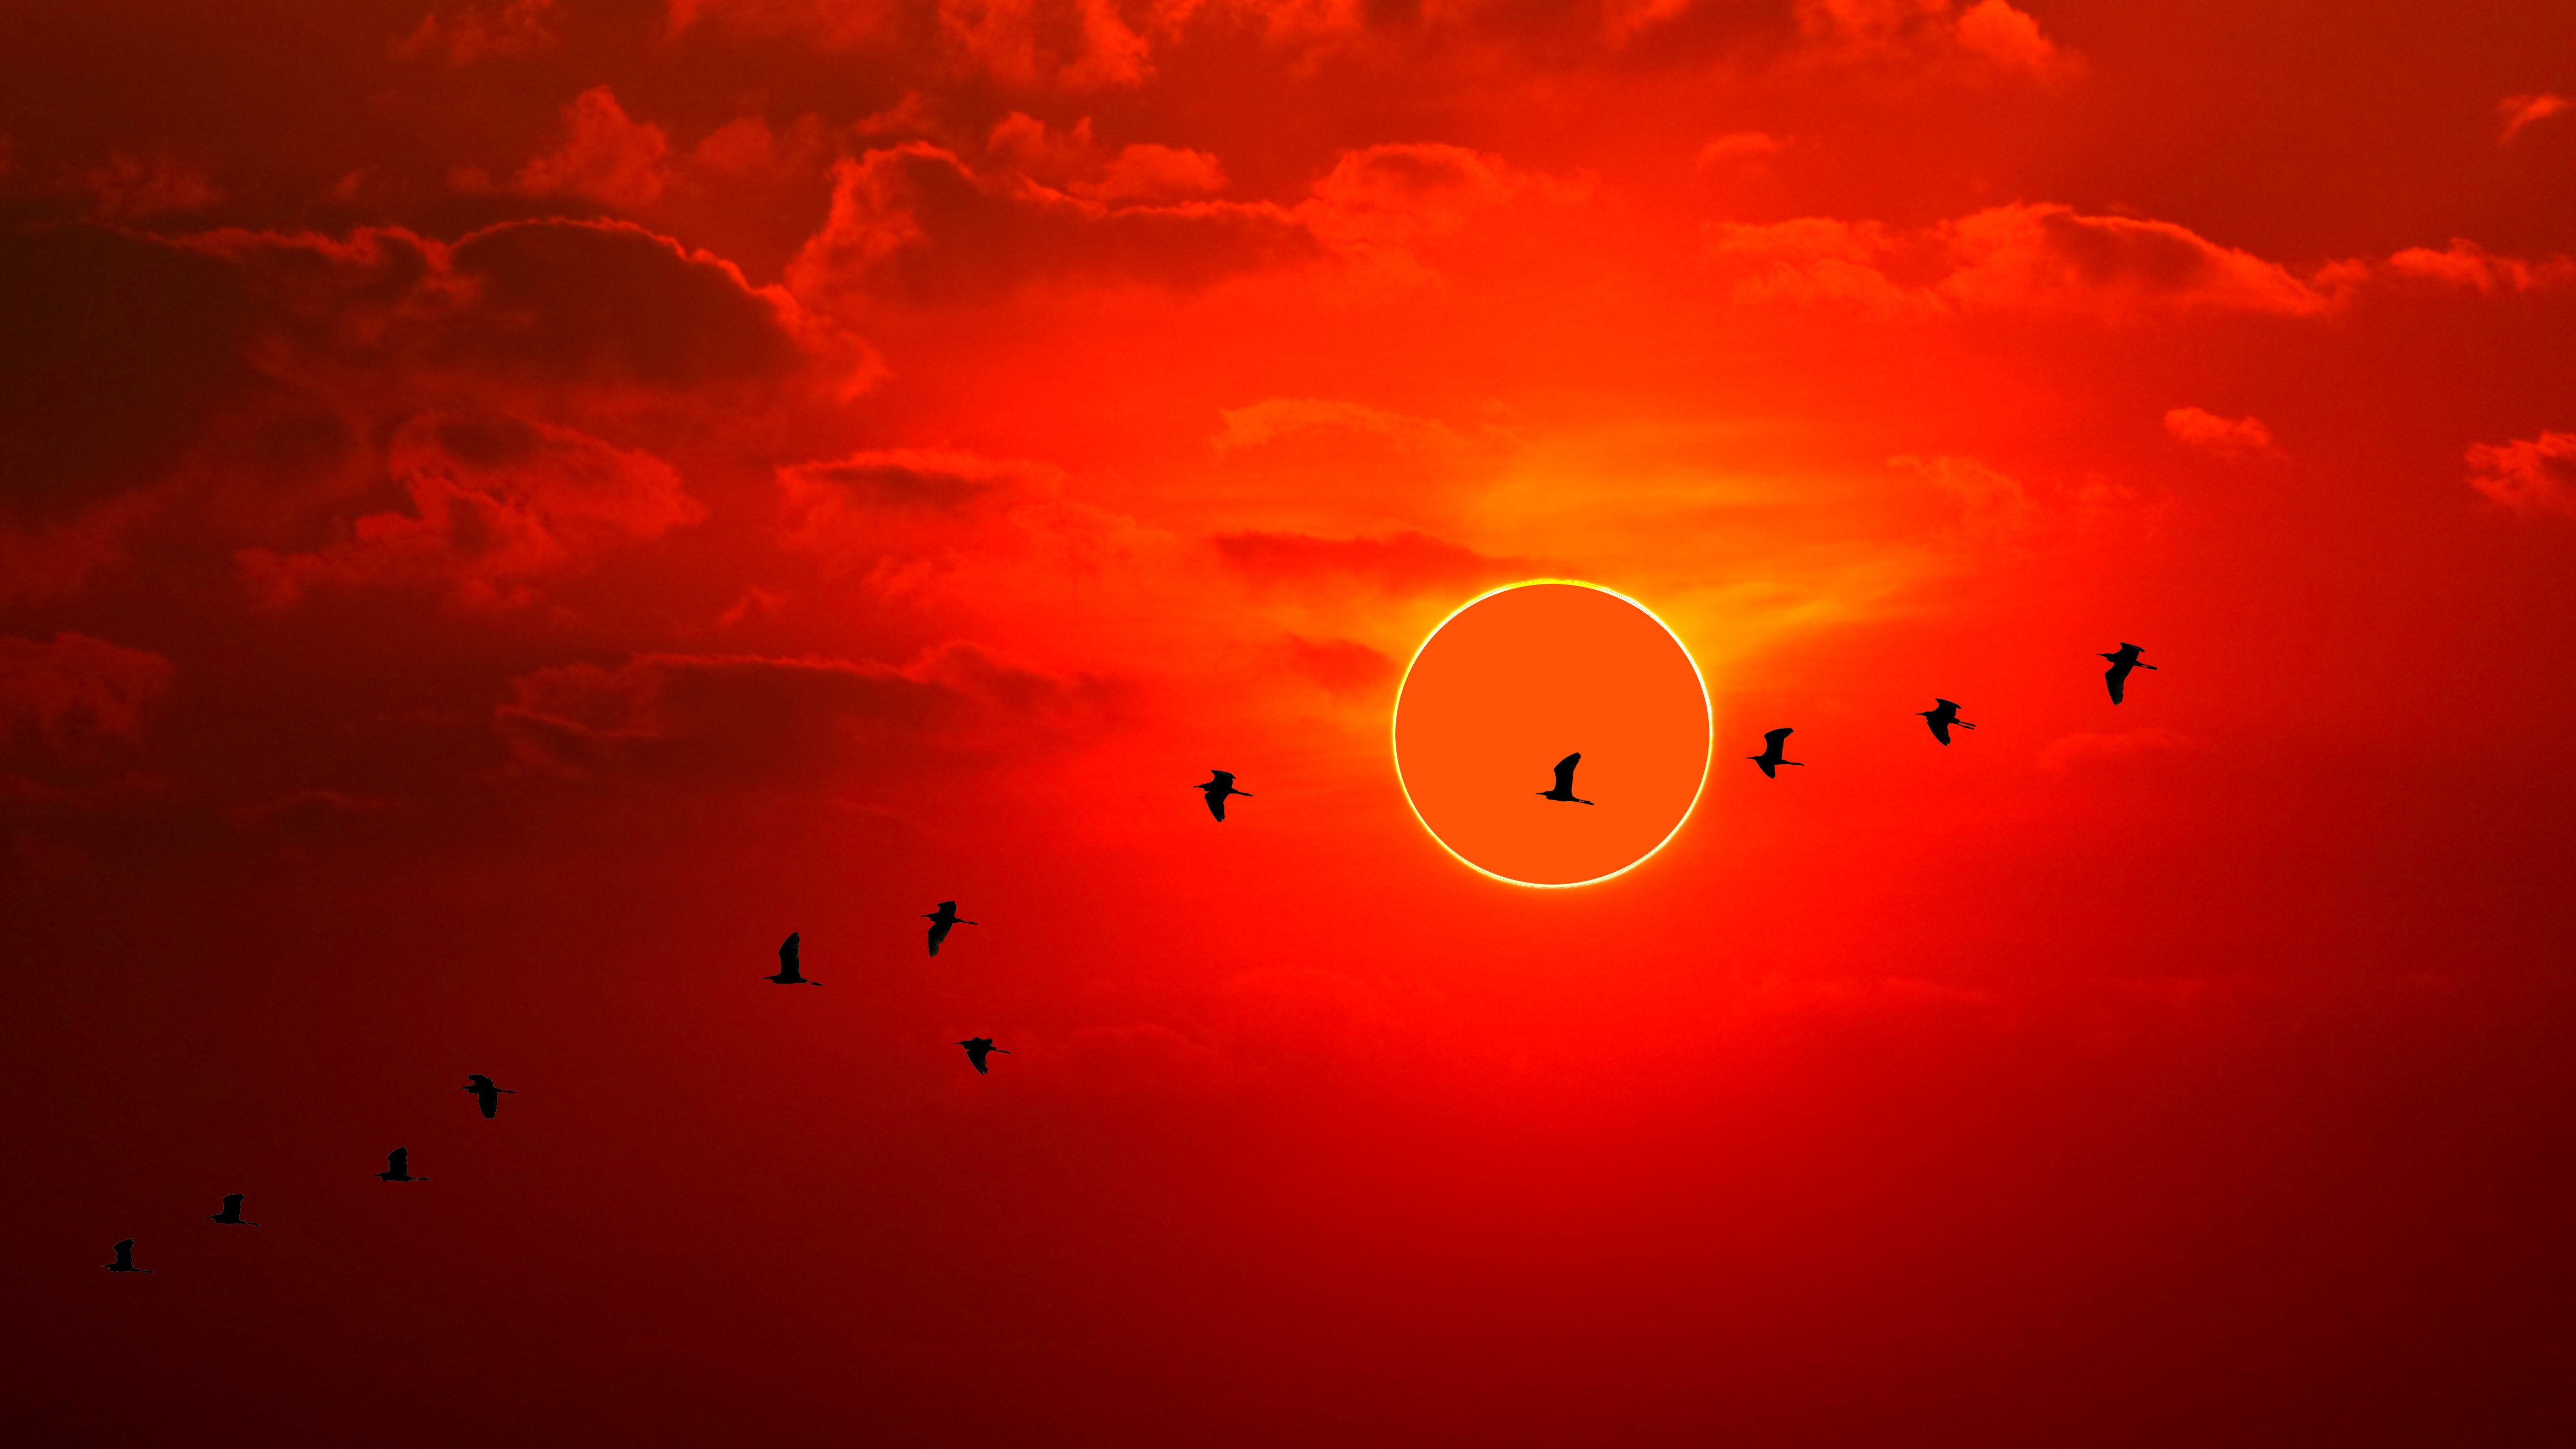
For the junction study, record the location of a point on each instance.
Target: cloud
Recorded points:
(2068, 752)
(137, 189)
(1988, 33)
(916, 220)
(2529, 476)
(748, 719)
(1059, 44)
(498, 504)
(77, 699)
(1989, 500)
(1341, 666)
(902, 500)
(1156, 173)
(463, 34)
(2466, 264)
(604, 156)
(2521, 111)
(2227, 437)
(1741, 148)
(1381, 198)
(1404, 562)
(2046, 258)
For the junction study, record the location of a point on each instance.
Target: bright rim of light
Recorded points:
(1708, 753)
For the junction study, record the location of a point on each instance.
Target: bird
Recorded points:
(231, 1215)
(940, 920)
(485, 1093)
(398, 1167)
(1941, 717)
(1565, 780)
(2117, 676)
(125, 1258)
(1769, 759)
(977, 1048)
(1220, 784)
(791, 971)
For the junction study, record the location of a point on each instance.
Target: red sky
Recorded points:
(508, 510)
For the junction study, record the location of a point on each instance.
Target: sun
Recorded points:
(1520, 677)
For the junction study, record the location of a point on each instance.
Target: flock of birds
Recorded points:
(1220, 784)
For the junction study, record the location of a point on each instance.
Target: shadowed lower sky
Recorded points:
(509, 509)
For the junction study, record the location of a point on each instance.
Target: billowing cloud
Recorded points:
(2022, 257)
(2227, 437)
(2466, 264)
(2529, 476)
(1740, 148)
(76, 699)
(918, 221)
(1986, 32)
(2521, 111)
(902, 500)
(129, 188)
(498, 504)
(747, 719)
(604, 156)
(464, 33)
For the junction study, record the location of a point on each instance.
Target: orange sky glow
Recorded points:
(510, 507)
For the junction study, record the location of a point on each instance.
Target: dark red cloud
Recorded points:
(1402, 562)
(710, 720)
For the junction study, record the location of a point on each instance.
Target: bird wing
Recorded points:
(1940, 728)
(1774, 737)
(1216, 804)
(491, 1103)
(1222, 779)
(938, 933)
(232, 1202)
(1565, 771)
(788, 948)
(2117, 676)
(1766, 767)
(398, 1160)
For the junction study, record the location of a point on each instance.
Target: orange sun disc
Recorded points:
(1516, 680)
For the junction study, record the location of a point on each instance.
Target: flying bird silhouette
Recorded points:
(231, 1215)
(940, 920)
(1769, 759)
(791, 970)
(125, 1258)
(485, 1093)
(978, 1047)
(1565, 781)
(398, 1167)
(1220, 784)
(2117, 676)
(1943, 715)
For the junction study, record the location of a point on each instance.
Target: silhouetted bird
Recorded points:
(485, 1093)
(398, 1167)
(1565, 780)
(978, 1047)
(1769, 759)
(1220, 785)
(231, 1215)
(2117, 676)
(791, 972)
(1944, 715)
(940, 920)
(125, 1258)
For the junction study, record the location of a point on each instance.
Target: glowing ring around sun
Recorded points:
(1521, 676)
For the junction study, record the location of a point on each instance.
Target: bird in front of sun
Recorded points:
(125, 1258)
(398, 1167)
(2117, 676)
(485, 1093)
(979, 1047)
(791, 971)
(231, 1215)
(940, 920)
(1769, 759)
(1565, 781)
(1220, 784)
(1941, 716)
